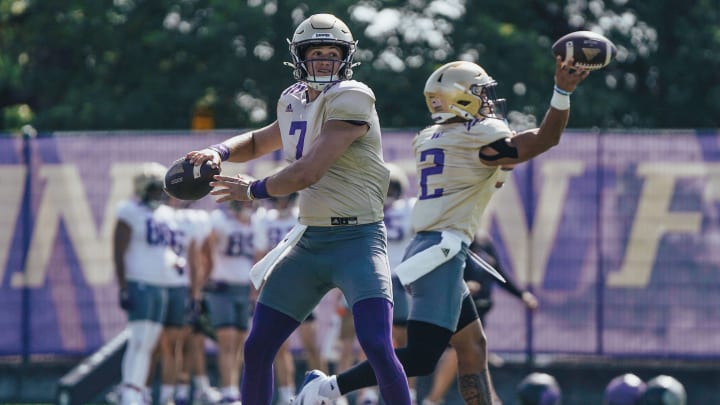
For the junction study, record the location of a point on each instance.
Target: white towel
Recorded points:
(264, 267)
(424, 262)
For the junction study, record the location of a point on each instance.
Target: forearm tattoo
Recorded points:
(475, 388)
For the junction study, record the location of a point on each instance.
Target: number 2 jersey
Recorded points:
(353, 189)
(454, 186)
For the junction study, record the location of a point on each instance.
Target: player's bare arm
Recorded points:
(527, 144)
(334, 139)
(121, 241)
(242, 147)
(206, 251)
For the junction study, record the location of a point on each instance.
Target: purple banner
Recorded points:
(618, 234)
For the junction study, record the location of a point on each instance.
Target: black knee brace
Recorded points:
(426, 343)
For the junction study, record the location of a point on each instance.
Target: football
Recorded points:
(590, 50)
(185, 181)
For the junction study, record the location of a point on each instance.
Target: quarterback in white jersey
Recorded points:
(459, 163)
(144, 262)
(329, 132)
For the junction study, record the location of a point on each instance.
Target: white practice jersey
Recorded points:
(353, 189)
(234, 250)
(192, 225)
(272, 228)
(149, 257)
(454, 186)
(398, 221)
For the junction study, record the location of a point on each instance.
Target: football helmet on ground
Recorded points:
(322, 30)
(462, 89)
(539, 389)
(664, 390)
(624, 389)
(398, 182)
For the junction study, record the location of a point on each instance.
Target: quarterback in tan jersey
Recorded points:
(461, 159)
(329, 132)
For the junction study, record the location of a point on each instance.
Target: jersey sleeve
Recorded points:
(351, 103)
(125, 211)
(491, 130)
(201, 225)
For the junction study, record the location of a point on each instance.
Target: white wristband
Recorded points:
(560, 101)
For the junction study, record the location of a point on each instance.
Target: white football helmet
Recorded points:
(462, 89)
(664, 390)
(320, 30)
(148, 183)
(398, 182)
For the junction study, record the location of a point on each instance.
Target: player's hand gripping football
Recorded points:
(231, 188)
(567, 75)
(198, 157)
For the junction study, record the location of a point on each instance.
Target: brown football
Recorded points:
(590, 50)
(186, 181)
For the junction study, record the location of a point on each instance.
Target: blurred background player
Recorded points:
(480, 283)
(272, 226)
(195, 364)
(192, 226)
(624, 389)
(230, 254)
(144, 263)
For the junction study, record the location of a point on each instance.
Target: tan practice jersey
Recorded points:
(353, 189)
(454, 186)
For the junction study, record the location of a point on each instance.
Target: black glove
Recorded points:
(125, 301)
(198, 315)
(193, 312)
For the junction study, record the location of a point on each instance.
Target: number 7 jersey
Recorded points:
(454, 186)
(353, 189)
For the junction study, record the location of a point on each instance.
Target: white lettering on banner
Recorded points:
(65, 198)
(653, 219)
(528, 253)
(12, 178)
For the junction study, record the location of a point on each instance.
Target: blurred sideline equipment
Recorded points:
(539, 389)
(590, 50)
(95, 374)
(664, 390)
(624, 389)
(186, 181)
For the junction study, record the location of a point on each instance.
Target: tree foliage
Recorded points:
(149, 64)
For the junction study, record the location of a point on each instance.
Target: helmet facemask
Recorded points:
(343, 67)
(490, 105)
